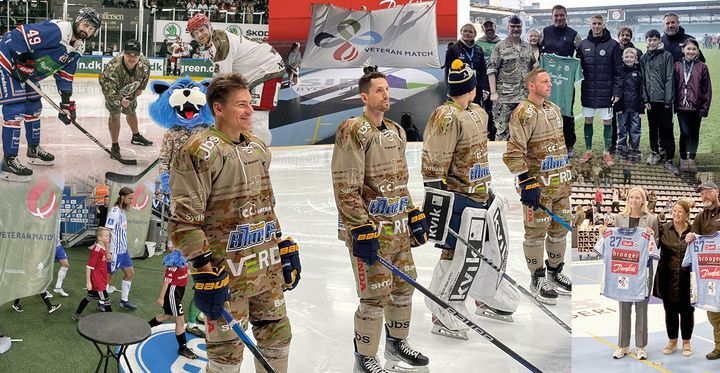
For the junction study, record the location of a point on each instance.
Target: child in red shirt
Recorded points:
(96, 272)
(170, 299)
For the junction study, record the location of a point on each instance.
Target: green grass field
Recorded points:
(708, 154)
(50, 341)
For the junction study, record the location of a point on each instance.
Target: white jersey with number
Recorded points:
(704, 257)
(233, 53)
(627, 252)
(117, 221)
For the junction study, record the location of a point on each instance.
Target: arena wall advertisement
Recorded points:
(172, 29)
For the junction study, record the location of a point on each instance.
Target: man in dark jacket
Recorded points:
(466, 51)
(675, 36)
(562, 40)
(657, 65)
(602, 65)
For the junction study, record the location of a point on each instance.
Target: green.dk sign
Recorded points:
(196, 67)
(90, 65)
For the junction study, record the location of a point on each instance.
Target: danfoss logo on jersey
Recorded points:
(388, 206)
(624, 267)
(709, 246)
(158, 353)
(141, 198)
(709, 266)
(249, 235)
(42, 199)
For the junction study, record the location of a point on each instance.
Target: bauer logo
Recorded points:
(158, 353)
(249, 235)
(42, 199)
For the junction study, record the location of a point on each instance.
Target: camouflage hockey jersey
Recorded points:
(222, 201)
(370, 176)
(117, 81)
(455, 149)
(537, 146)
(173, 140)
(510, 62)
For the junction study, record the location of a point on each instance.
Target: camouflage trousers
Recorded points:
(117, 108)
(501, 117)
(541, 231)
(382, 294)
(270, 326)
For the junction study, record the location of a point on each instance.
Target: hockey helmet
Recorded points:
(90, 16)
(196, 22)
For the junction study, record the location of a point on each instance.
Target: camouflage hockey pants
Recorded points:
(541, 231)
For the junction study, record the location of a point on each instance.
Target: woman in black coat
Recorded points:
(672, 281)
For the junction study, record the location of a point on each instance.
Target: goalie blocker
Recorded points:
(460, 271)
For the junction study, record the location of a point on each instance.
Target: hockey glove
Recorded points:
(529, 191)
(68, 114)
(365, 244)
(419, 227)
(24, 67)
(211, 291)
(290, 257)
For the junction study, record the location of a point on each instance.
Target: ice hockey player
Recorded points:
(455, 160)
(176, 54)
(259, 63)
(370, 177)
(537, 155)
(223, 219)
(36, 51)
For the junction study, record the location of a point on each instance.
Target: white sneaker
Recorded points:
(621, 352)
(111, 289)
(61, 292)
(641, 354)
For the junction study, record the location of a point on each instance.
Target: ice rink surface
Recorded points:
(321, 309)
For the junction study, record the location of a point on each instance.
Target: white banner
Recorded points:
(172, 29)
(402, 36)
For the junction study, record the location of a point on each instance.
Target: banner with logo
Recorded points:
(172, 29)
(29, 225)
(196, 67)
(137, 214)
(403, 36)
(96, 64)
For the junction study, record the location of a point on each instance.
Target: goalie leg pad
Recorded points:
(441, 282)
(506, 298)
(495, 249)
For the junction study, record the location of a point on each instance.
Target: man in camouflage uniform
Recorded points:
(122, 80)
(370, 178)
(223, 216)
(537, 155)
(510, 60)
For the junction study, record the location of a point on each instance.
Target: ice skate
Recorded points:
(400, 357)
(541, 289)
(492, 313)
(440, 329)
(562, 284)
(38, 156)
(367, 364)
(12, 170)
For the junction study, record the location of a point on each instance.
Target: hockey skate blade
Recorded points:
(40, 162)
(562, 291)
(445, 332)
(492, 315)
(548, 301)
(398, 366)
(8, 176)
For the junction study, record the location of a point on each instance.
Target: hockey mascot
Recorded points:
(182, 109)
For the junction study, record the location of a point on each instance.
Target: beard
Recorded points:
(671, 31)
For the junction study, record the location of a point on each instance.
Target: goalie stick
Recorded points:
(459, 316)
(130, 162)
(130, 179)
(511, 281)
(247, 341)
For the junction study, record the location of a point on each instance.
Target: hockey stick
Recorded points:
(130, 179)
(558, 219)
(130, 162)
(459, 316)
(511, 281)
(247, 341)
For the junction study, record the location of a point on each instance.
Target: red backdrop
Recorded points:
(290, 19)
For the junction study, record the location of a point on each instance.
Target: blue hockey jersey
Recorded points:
(627, 253)
(704, 257)
(49, 43)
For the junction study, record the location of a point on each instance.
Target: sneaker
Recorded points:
(541, 289)
(670, 348)
(188, 353)
(54, 307)
(17, 307)
(670, 166)
(654, 158)
(562, 283)
(138, 139)
(692, 166)
(687, 349)
(115, 151)
(61, 292)
(195, 330)
(100, 307)
(641, 354)
(714, 355)
(586, 157)
(683, 165)
(111, 289)
(127, 305)
(76, 316)
(367, 364)
(621, 352)
(607, 158)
